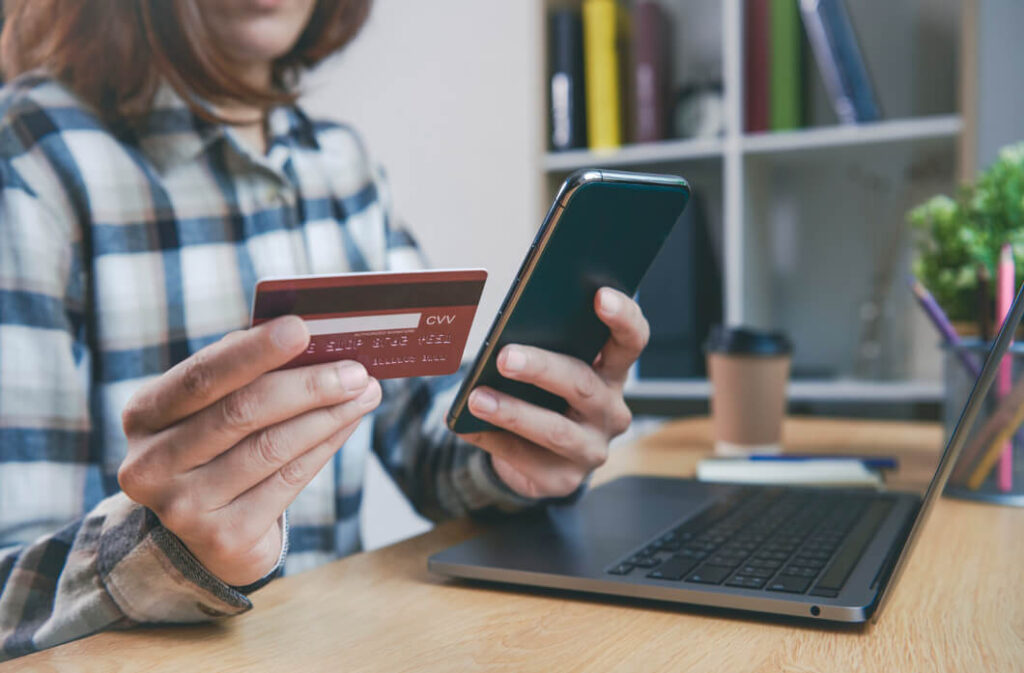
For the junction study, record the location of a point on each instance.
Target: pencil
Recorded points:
(1000, 419)
(995, 450)
(1005, 283)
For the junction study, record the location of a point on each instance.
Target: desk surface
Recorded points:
(958, 607)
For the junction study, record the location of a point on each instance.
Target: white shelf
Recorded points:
(828, 137)
(806, 390)
(825, 137)
(634, 155)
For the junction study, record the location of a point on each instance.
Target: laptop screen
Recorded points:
(989, 424)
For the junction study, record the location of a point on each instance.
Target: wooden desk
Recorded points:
(958, 607)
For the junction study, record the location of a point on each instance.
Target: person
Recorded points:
(155, 466)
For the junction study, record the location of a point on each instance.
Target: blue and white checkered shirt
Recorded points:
(168, 229)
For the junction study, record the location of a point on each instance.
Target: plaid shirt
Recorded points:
(121, 256)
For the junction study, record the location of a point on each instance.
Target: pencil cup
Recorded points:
(749, 371)
(990, 467)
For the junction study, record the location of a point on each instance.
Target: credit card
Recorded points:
(408, 323)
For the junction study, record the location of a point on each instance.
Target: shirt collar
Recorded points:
(173, 134)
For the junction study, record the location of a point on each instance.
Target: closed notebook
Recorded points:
(824, 472)
(601, 26)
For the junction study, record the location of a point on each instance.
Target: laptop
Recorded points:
(823, 554)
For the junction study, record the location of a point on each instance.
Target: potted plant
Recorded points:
(958, 239)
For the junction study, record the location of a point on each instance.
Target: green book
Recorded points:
(785, 78)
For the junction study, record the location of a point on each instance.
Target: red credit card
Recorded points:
(409, 323)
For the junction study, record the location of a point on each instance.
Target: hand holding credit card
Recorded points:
(396, 324)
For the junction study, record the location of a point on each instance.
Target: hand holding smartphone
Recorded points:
(603, 229)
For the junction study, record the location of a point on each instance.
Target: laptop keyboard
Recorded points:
(770, 539)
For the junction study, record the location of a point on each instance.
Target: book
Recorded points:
(823, 472)
(852, 69)
(681, 296)
(602, 23)
(651, 78)
(566, 86)
(785, 79)
(756, 66)
(839, 60)
(814, 26)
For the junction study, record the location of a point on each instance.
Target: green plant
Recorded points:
(956, 236)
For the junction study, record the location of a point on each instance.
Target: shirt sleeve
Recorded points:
(442, 475)
(114, 568)
(116, 565)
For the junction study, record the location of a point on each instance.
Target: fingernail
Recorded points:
(353, 376)
(369, 397)
(289, 334)
(610, 303)
(484, 402)
(515, 360)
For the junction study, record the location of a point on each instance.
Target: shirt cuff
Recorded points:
(489, 486)
(150, 574)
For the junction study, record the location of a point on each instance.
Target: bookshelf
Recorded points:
(808, 223)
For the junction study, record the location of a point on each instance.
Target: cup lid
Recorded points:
(747, 341)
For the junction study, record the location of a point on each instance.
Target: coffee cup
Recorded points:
(749, 372)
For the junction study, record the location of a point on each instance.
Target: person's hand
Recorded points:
(541, 453)
(220, 444)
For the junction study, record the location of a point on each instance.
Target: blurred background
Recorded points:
(808, 129)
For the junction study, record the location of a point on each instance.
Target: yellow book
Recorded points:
(601, 73)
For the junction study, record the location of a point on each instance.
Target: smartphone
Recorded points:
(603, 229)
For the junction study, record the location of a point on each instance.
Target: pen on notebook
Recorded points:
(871, 462)
(941, 322)
(1005, 285)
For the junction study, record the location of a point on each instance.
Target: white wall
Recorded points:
(448, 95)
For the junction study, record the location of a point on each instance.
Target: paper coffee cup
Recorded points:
(749, 372)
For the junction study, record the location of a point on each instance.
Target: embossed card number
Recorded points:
(396, 324)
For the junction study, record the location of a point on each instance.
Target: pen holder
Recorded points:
(990, 467)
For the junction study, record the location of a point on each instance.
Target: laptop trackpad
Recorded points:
(584, 538)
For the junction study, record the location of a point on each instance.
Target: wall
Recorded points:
(448, 96)
(1000, 98)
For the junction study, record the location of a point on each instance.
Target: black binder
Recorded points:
(565, 84)
(681, 296)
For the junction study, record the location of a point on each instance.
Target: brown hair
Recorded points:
(114, 53)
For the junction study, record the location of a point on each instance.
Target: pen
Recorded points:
(871, 462)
